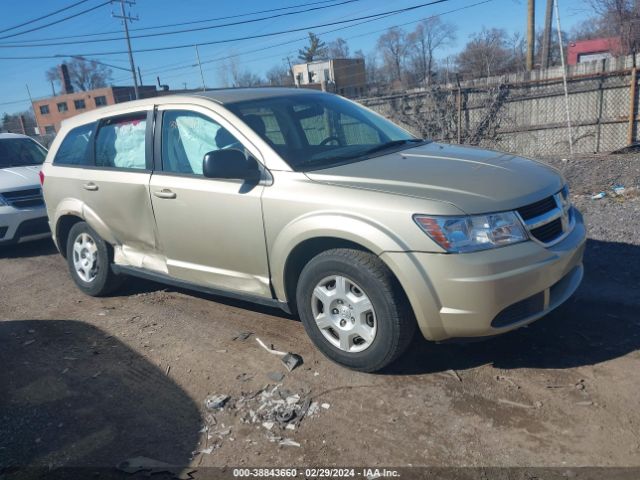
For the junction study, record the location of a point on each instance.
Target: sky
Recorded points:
(177, 67)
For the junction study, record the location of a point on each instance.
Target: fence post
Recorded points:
(459, 115)
(600, 99)
(632, 106)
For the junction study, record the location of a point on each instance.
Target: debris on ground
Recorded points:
(290, 360)
(28, 342)
(618, 189)
(270, 349)
(598, 196)
(271, 409)
(152, 467)
(511, 403)
(216, 402)
(242, 336)
(287, 442)
(275, 376)
(244, 377)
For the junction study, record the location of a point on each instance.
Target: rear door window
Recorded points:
(120, 142)
(74, 149)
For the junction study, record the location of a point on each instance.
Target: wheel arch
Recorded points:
(307, 249)
(63, 226)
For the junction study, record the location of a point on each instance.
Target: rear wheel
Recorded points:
(354, 310)
(89, 259)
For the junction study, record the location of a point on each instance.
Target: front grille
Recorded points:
(24, 198)
(548, 220)
(549, 231)
(538, 208)
(519, 311)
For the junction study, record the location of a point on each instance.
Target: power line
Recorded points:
(237, 39)
(175, 32)
(28, 22)
(220, 59)
(181, 23)
(57, 21)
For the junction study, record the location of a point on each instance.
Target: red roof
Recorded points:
(590, 47)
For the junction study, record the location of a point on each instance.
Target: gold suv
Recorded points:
(312, 203)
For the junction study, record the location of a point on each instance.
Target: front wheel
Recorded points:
(89, 260)
(354, 310)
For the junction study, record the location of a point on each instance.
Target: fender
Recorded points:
(345, 226)
(77, 208)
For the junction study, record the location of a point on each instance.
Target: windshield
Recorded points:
(18, 152)
(316, 131)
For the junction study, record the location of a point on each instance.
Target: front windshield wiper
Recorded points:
(391, 144)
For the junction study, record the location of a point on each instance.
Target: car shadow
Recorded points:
(599, 323)
(74, 396)
(36, 248)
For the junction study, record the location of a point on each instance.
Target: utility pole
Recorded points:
(140, 75)
(564, 77)
(125, 19)
(293, 78)
(531, 33)
(40, 132)
(546, 38)
(204, 88)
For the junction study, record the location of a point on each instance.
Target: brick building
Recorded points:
(51, 111)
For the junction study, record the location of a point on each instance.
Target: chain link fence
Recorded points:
(527, 117)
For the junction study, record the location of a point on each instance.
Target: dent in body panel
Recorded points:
(215, 277)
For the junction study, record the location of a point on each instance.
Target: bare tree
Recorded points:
(338, 48)
(518, 46)
(486, 54)
(316, 50)
(232, 75)
(429, 35)
(84, 74)
(620, 19)
(279, 76)
(394, 47)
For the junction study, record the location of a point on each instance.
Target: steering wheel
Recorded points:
(329, 139)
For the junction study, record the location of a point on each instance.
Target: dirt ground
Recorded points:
(92, 382)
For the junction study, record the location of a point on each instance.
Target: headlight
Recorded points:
(471, 233)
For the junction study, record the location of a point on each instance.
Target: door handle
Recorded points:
(164, 193)
(92, 187)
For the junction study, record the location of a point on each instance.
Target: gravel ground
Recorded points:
(92, 382)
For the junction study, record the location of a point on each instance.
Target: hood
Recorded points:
(473, 179)
(15, 178)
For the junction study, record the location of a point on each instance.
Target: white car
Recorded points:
(23, 216)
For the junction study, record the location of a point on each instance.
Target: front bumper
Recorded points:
(490, 292)
(22, 225)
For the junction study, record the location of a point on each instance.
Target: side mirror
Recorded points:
(232, 164)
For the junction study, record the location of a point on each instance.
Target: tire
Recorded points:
(334, 325)
(95, 278)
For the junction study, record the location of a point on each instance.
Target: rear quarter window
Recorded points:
(75, 148)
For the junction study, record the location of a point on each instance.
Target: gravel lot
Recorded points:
(92, 382)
